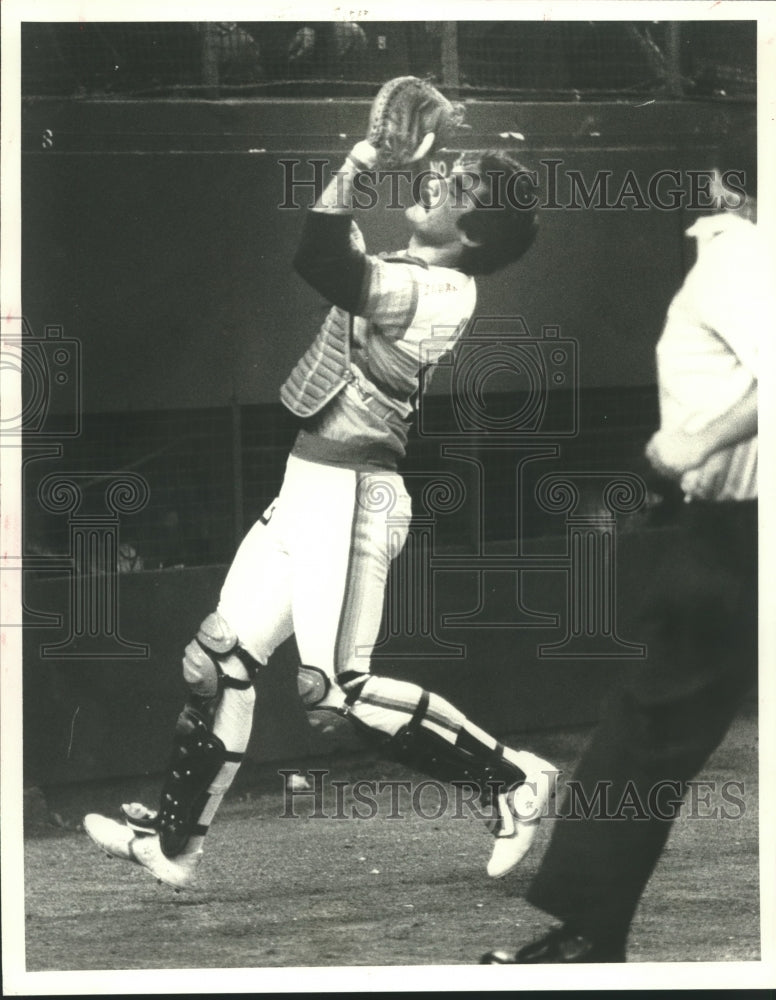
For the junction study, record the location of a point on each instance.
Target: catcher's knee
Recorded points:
(316, 689)
(215, 660)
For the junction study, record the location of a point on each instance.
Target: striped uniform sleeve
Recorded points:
(390, 295)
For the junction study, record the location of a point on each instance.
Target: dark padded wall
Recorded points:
(88, 716)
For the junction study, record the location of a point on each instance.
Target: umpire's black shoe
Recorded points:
(558, 946)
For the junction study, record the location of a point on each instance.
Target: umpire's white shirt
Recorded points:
(707, 356)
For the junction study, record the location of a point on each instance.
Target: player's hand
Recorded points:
(364, 154)
(426, 143)
(672, 454)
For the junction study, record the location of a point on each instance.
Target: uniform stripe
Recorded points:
(344, 640)
(408, 708)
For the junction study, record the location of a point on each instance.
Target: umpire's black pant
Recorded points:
(663, 720)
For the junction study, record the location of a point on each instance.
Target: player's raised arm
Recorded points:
(407, 118)
(330, 257)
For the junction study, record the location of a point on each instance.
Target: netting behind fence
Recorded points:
(325, 58)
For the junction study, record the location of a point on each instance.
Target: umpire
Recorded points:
(700, 616)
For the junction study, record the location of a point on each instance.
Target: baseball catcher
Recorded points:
(316, 563)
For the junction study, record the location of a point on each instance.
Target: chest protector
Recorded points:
(324, 368)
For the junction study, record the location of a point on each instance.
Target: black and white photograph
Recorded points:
(385, 594)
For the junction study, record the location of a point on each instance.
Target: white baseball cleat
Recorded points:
(178, 872)
(111, 837)
(519, 811)
(118, 840)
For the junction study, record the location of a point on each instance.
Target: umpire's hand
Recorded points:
(672, 454)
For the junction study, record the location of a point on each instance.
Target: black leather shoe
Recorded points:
(558, 946)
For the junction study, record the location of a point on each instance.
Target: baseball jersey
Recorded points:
(409, 314)
(707, 355)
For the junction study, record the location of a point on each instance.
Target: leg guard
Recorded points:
(205, 658)
(313, 685)
(462, 758)
(197, 758)
(209, 663)
(316, 690)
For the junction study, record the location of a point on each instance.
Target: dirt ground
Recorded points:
(284, 892)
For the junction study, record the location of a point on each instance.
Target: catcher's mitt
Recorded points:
(409, 117)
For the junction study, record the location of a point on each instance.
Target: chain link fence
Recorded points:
(495, 59)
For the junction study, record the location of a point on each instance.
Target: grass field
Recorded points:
(281, 892)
